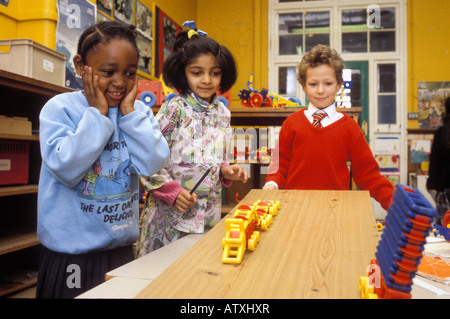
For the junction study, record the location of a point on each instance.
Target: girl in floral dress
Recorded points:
(197, 128)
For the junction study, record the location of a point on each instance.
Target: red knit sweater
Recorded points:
(311, 158)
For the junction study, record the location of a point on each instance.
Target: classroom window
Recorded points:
(358, 36)
(387, 93)
(287, 83)
(299, 32)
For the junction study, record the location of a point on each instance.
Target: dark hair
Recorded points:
(103, 32)
(320, 54)
(185, 50)
(446, 121)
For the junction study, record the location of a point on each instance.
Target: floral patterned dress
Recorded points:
(197, 133)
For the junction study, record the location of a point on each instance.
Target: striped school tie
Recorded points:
(317, 117)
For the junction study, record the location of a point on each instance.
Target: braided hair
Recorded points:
(103, 32)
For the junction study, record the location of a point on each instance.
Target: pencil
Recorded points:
(200, 181)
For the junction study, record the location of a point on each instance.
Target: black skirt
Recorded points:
(67, 276)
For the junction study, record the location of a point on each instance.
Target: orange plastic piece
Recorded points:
(446, 220)
(382, 291)
(434, 267)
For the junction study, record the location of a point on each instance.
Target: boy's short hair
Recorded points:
(320, 54)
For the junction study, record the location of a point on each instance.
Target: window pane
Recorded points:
(382, 41)
(388, 18)
(355, 92)
(354, 20)
(287, 82)
(386, 78)
(387, 113)
(290, 30)
(317, 21)
(314, 39)
(290, 23)
(291, 44)
(354, 42)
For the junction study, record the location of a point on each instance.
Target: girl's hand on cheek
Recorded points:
(92, 90)
(127, 104)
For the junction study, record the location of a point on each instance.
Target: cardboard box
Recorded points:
(15, 125)
(32, 59)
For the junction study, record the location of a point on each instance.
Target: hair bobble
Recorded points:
(194, 31)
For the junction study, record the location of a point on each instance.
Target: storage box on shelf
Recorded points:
(14, 156)
(29, 58)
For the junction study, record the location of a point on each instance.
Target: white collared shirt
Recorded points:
(332, 114)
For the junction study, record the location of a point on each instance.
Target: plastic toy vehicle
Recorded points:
(241, 229)
(255, 98)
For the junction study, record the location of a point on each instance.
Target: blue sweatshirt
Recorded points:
(88, 195)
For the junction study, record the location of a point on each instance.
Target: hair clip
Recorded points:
(194, 31)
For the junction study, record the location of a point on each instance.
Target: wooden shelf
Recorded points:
(10, 288)
(18, 190)
(271, 116)
(19, 137)
(277, 112)
(262, 111)
(15, 242)
(24, 83)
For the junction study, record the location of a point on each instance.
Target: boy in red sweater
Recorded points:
(314, 156)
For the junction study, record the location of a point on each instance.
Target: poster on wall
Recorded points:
(431, 99)
(166, 30)
(101, 17)
(74, 17)
(105, 6)
(386, 153)
(420, 151)
(124, 11)
(145, 55)
(144, 20)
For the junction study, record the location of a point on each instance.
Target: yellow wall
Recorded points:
(428, 46)
(178, 10)
(241, 26)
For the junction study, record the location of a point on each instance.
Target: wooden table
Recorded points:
(317, 246)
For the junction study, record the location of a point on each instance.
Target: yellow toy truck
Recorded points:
(241, 233)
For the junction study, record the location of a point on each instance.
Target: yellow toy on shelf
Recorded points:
(255, 98)
(241, 233)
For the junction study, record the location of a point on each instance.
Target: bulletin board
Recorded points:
(136, 13)
(431, 99)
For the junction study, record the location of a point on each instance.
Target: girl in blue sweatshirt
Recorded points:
(94, 145)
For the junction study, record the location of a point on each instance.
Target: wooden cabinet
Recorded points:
(19, 248)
